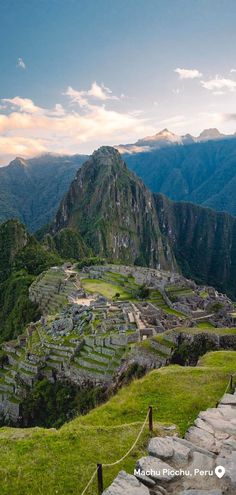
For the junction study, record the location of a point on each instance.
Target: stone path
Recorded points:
(211, 442)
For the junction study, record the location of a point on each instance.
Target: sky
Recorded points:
(78, 74)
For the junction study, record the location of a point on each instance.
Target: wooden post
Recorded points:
(150, 416)
(231, 383)
(100, 479)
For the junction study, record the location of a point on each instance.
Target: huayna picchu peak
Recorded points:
(114, 212)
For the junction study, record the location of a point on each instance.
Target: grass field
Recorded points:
(38, 461)
(104, 288)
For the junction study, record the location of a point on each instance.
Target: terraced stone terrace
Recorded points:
(95, 323)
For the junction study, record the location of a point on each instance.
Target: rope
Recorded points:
(131, 448)
(90, 481)
(121, 459)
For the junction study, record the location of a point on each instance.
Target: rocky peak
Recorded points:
(114, 212)
(18, 162)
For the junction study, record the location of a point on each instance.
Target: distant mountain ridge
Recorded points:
(166, 138)
(31, 190)
(203, 173)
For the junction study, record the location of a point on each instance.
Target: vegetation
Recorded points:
(37, 461)
(143, 292)
(52, 404)
(92, 260)
(16, 310)
(22, 258)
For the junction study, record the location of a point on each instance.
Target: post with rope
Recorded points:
(100, 479)
(150, 418)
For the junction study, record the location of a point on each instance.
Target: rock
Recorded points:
(162, 490)
(155, 469)
(200, 423)
(201, 438)
(181, 453)
(194, 448)
(161, 447)
(200, 462)
(229, 464)
(227, 412)
(201, 492)
(229, 399)
(126, 484)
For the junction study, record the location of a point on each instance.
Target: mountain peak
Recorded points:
(18, 161)
(114, 212)
(212, 133)
(106, 152)
(163, 135)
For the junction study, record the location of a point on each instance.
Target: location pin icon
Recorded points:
(220, 471)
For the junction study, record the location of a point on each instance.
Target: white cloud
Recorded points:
(218, 84)
(20, 63)
(188, 73)
(28, 129)
(96, 92)
(233, 70)
(23, 104)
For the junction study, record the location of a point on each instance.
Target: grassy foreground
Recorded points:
(38, 461)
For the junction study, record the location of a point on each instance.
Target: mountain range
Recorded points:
(109, 212)
(166, 138)
(120, 219)
(200, 170)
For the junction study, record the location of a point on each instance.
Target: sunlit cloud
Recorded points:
(188, 73)
(20, 63)
(28, 129)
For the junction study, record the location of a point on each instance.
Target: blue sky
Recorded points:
(77, 74)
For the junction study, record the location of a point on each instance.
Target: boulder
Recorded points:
(126, 484)
(161, 447)
(155, 469)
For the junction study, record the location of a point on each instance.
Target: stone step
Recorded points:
(95, 356)
(56, 357)
(91, 364)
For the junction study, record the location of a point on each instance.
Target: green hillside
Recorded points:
(36, 461)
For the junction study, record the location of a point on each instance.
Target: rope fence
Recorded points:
(98, 471)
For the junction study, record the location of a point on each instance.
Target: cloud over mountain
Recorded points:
(81, 123)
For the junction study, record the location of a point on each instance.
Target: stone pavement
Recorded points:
(172, 465)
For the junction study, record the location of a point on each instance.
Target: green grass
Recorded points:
(223, 359)
(106, 289)
(205, 324)
(38, 461)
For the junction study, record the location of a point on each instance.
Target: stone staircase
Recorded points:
(177, 466)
